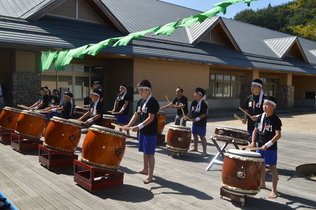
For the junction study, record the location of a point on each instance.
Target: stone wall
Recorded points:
(23, 88)
(285, 96)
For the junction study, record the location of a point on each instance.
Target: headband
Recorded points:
(143, 87)
(67, 95)
(123, 87)
(45, 90)
(269, 101)
(256, 83)
(94, 93)
(199, 93)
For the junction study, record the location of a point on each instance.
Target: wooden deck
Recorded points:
(180, 183)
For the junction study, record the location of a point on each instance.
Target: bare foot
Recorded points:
(273, 195)
(203, 154)
(142, 172)
(147, 180)
(193, 150)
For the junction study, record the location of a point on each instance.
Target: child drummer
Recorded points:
(268, 125)
(95, 110)
(198, 111)
(66, 108)
(146, 111)
(43, 103)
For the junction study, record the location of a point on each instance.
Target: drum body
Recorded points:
(107, 120)
(161, 118)
(9, 117)
(103, 147)
(228, 134)
(30, 124)
(178, 138)
(62, 135)
(241, 172)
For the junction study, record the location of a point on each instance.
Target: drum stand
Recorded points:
(21, 143)
(50, 158)
(5, 136)
(92, 178)
(220, 151)
(239, 198)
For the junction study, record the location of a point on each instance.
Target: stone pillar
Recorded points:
(285, 96)
(23, 88)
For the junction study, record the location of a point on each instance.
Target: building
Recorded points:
(220, 55)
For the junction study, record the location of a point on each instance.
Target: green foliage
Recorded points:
(297, 18)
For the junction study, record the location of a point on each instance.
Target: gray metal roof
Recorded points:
(200, 29)
(280, 45)
(309, 48)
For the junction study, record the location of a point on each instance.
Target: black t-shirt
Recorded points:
(121, 102)
(195, 114)
(45, 100)
(99, 110)
(66, 113)
(55, 100)
(152, 107)
(183, 100)
(271, 124)
(252, 104)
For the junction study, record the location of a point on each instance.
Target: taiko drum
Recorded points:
(228, 134)
(178, 138)
(241, 172)
(107, 121)
(9, 117)
(161, 118)
(62, 135)
(30, 124)
(103, 147)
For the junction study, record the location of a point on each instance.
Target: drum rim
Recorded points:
(180, 126)
(109, 116)
(176, 149)
(99, 165)
(250, 154)
(161, 112)
(28, 112)
(106, 130)
(58, 119)
(233, 129)
(12, 109)
(239, 191)
(237, 140)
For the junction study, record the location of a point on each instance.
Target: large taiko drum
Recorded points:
(178, 138)
(107, 120)
(241, 172)
(80, 110)
(9, 117)
(228, 134)
(62, 135)
(30, 124)
(103, 147)
(161, 118)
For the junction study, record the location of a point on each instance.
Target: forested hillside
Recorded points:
(297, 18)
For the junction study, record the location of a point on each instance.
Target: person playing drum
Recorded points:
(268, 125)
(146, 111)
(54, 101)
(66, 108)
(97, 85)
(254, 105)
(198, 111)
(121, 105)
(43, 103)
(95, 109)
(179, 102)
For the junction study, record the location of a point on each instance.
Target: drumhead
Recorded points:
(33, 113)
(81, 107)
(243, 153)
(110, 131)
(179, 127)
(65, 121)
(232, 129)
(12, 109)
(161, 112)
(107, 116)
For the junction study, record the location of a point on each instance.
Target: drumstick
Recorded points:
(245, 112)
(22, 106)
(250, 148)
(167, 99)
(41, 111)
(255, 148)
(236, 116)
(122, 127)
(113, 112)
(76, 121)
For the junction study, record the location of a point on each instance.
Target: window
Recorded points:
(224, 86)
(269, 86)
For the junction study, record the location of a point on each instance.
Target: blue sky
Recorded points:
(203, 5)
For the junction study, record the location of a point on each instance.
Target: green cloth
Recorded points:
(225, 4)
(46, 60)
(167, 29)
(212, 12)
(187, 22)
(96, 48)
(248, 2)
(123, 41)
(74, 53)
(58, 62)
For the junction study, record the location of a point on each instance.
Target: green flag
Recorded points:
(96, 48)
(167, 29)
(225, 4)
(74, 53)
(46, 60)
(212, 12)
(44, 57)
(58, 62)
(126, 39)
(248, 2)
(187, 22)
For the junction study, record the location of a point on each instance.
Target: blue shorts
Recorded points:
(122, 119)
(250, 136)
(196, 130)
(47, 117)
(147, 144)
(270, 156)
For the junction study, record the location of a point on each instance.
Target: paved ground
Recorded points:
(180, 183)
